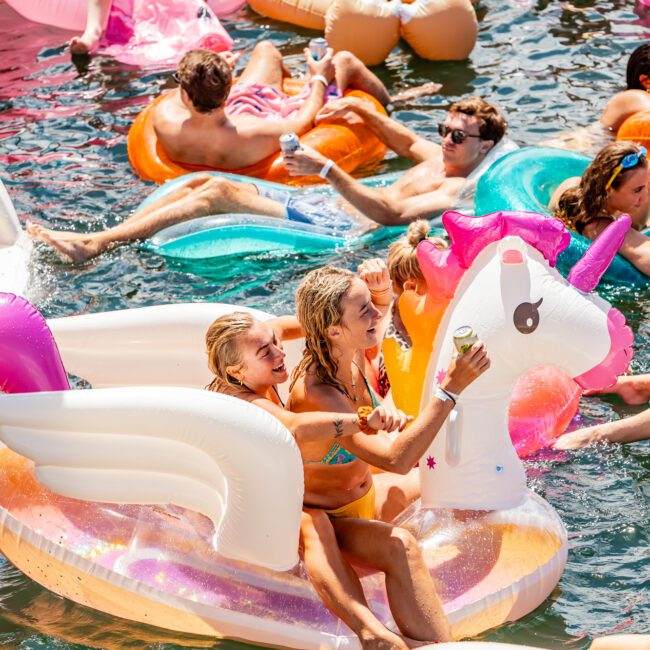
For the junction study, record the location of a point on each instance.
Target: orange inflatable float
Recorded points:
(636, 129)
(438, 30)
(349, 148)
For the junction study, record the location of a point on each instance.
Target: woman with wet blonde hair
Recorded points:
(340, 321)
(387, 282)
(247, 358)
(615, 183)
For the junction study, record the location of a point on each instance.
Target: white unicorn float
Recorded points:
(104, 512)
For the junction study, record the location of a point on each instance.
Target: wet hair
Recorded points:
(402, 262)
(491, 125)
(638, 64)
(318, 307)
(579, 206)
(223, 349)
(206, 77)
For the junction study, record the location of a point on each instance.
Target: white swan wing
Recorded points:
(211, 453)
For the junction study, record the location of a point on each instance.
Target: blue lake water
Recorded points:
(549, 65)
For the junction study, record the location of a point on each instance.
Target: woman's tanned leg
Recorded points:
(411, 591)
(337, 583)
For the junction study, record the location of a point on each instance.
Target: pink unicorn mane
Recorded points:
(470, 235)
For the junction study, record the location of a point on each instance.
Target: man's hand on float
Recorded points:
(340, 109)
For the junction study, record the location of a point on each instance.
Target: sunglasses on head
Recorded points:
(176, 78)
(458, 136)
(631, 160)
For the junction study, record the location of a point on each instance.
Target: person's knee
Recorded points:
(404, 546)
(198, 181)
(347, 61)
(266, 49)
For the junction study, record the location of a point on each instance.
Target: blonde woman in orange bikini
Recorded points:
(335, 310)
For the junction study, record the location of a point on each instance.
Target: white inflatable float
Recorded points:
(15, 248)
(106, 513)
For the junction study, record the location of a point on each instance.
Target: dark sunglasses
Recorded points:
(458, 136)
(176, 78)
(631, 160)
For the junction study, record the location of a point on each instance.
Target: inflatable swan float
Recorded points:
(105, 512)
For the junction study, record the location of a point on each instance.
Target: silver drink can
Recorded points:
(464, 338)
(318, 48)
(289, 142)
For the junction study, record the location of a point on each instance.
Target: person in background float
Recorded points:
(634, 99)
(633, 389)
(387, 281)
(615, 183)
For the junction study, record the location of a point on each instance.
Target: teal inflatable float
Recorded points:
(244, 234)
(525, 180)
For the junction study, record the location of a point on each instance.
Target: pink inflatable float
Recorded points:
(142, 32)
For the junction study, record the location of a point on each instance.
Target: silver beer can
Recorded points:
(464, 338)
(289, 142)
(318, 48)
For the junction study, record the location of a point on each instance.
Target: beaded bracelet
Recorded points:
(362, 418)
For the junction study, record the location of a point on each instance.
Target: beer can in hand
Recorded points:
(289, 142)
(464, 338)
(318, 48)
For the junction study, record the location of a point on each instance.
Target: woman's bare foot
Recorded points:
(76, 246)
(382, 639)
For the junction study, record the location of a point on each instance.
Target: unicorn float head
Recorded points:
(498, 277)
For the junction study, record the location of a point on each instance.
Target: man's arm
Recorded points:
(394, 135)
(374, 204)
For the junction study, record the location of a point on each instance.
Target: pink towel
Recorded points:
(160, 32)
(261, 100)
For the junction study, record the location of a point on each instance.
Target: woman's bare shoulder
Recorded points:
(310, 393)
(622, 105)
(565, 185)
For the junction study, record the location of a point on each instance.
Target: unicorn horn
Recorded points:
(586, 273)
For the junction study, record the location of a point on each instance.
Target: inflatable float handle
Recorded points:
(454, 438)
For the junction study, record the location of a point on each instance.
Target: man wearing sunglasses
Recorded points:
(472, 128)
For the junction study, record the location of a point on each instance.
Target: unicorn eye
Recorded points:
(526, 317)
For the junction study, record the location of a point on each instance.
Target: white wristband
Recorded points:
(326, 169)
(446, 395)
(321, 78)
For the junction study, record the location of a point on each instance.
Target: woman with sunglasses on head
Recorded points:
(334, 308)
(615, 183)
